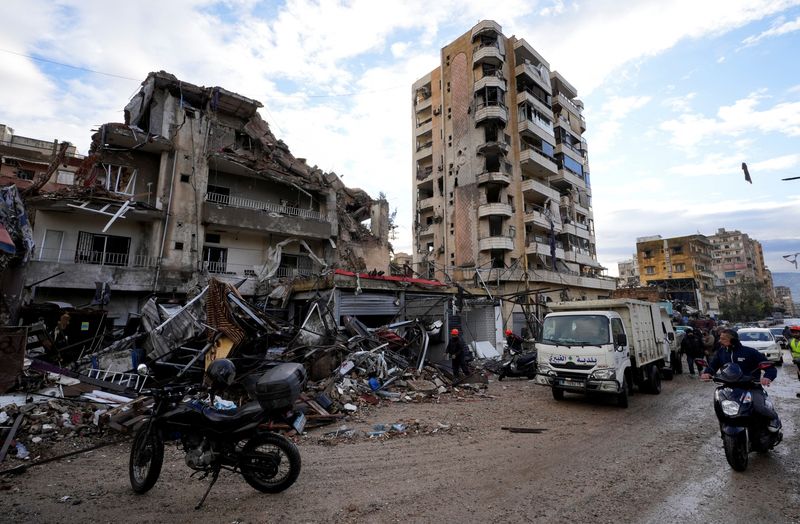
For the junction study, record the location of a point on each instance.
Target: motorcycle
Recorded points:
(518, 364)
(239, 440)
(741, 428)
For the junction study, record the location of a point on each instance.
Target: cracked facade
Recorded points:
(199, 187)
(500, 171)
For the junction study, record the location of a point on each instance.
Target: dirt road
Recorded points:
(661, 460)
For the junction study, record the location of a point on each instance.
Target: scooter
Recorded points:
(741, 428)
(518, 364)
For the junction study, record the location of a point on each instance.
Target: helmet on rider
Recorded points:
(221, 373)
(508, 332)
(454, 332)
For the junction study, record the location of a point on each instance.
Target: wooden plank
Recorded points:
(11, 434)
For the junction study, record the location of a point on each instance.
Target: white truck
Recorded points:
(606, 347)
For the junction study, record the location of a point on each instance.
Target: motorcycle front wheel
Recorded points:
(270, 462)
(147, 456)
(736, 450)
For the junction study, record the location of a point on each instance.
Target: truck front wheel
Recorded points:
(558, 393)
(622, 396)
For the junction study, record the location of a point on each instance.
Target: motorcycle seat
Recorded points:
(231, 416)
(526, 359)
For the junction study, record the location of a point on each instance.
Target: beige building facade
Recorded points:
(682, 267)
(502, 195)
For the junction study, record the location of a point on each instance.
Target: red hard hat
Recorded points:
(454, 331)
(508, 332)
(794, 328)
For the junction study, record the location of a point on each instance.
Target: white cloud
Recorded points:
(680, 103)
(691, 129)
(610, 118)
(778, 29)
(605, 35)
(720, 60)
(556, 8)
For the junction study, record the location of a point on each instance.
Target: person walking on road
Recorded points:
(457, 350)
(691, 346)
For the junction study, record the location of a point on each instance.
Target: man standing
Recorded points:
(708, 344)
(691, 347)
(794, 348)
(457, 350)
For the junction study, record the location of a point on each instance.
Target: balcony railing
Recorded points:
(546, 126)
(546, 99)
(269, 207)
(563, 100)
(99, 258)
(424, 145)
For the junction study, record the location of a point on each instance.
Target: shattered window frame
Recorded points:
(119, 176)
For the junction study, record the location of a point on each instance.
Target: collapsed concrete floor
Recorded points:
(660, 460)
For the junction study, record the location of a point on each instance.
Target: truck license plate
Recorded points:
(570, 382)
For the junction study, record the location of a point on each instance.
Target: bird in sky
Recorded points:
(792, 259)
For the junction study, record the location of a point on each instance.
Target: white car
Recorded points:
(762, 340)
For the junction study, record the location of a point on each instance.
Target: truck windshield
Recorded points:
(576, 330)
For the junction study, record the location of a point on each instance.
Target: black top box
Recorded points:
(279, 387)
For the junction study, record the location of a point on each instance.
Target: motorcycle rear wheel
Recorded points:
(146, 459)
(736, 450)
(270, 462)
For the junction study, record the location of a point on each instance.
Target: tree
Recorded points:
(746, 302)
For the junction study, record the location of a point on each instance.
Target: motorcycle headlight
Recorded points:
(730, 408)
(604, 374)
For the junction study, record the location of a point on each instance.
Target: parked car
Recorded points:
(777, 332)
(762, 340)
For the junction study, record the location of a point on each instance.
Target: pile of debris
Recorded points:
(351, 369)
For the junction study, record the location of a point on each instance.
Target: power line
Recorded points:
(39, 59)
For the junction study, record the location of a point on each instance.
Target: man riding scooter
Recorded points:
(732, 351)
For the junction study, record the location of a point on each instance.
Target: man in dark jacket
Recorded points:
(457, 350)
(732, 351)
(692, 348)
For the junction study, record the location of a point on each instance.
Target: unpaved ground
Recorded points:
(661, 460)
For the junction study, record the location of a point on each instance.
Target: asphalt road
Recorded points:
(661, 460)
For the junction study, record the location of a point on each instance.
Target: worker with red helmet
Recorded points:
(513, 341)
(457, 350)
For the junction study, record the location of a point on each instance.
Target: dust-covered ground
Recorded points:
(661, 460)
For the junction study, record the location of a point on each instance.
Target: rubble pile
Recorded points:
(353, 369)
(37, 425)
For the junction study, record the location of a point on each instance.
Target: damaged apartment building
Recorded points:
(502, 193)
(193, 185)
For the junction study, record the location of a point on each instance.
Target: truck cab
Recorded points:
(583, 351)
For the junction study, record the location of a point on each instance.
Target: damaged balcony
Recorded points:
(540, 245)
(244, 213)
(538, 216)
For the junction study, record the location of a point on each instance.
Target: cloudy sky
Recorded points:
(678, 93)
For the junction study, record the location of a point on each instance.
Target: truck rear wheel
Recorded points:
(654, 386)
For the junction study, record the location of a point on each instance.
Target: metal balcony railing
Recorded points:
(246, 203)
